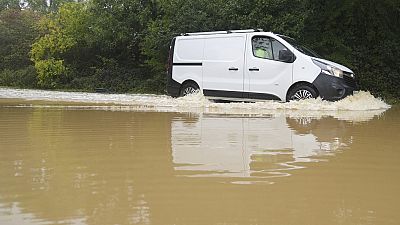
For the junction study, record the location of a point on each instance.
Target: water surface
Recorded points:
(101, 163)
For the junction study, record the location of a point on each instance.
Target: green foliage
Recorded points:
(17, 32)
(45, 5)
(23, 78)
(116, 29)
(63, 31)
(83, 38)
(9, 4)
(16, 35)
(49, 71)
(364, 35)
(122, 45)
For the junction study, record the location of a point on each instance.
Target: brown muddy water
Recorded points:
(61, 164)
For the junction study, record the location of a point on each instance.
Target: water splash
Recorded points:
(359, 106)
(358, 102)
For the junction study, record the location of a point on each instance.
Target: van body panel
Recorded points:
(184, 72)
(272, 77)
(304, 70)
(334, 88)
(189, 50)
(267, 76)
(225, 65)
(188, 60)
(334, 64)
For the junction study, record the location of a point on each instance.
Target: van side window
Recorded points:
(276, 48)
(262, 47)
(267, 48)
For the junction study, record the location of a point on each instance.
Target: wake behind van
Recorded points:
(248, 65)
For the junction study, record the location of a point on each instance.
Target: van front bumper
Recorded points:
(334, 88)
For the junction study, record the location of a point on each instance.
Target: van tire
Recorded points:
(189, 88)
(301, 92)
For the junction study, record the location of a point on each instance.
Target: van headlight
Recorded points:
(328, 69)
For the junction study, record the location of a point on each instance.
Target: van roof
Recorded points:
(222, 32)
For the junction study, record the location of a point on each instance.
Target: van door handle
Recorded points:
(233, 69)
(254, 69)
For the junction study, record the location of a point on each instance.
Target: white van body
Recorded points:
(227, 65)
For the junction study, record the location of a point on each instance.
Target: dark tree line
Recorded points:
(122, 45)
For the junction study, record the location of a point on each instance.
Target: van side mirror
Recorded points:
(286, 56)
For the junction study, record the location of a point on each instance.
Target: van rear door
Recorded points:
(223, 65)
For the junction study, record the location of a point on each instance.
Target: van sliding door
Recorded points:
(223, 66)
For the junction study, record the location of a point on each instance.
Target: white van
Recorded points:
(248, 65)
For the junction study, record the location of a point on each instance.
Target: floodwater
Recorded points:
(76, 158)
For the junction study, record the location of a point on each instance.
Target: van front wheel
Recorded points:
(301, 92)
(189, 88)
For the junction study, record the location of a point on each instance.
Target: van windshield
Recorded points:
(301, 48)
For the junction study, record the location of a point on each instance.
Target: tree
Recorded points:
(364, 35)
(62, 31)
(87, 40)
(123, 44)
(17, 32)
(45, 6)
(9, 4)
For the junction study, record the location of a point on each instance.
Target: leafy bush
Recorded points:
(23, 78)
(123, 45)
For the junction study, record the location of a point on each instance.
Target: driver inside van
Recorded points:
(262, 47)
(261, 53)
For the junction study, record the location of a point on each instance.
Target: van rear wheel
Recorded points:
(189, 88)
(301, 92)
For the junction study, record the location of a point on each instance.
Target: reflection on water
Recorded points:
(258, 147)
(75, 166)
